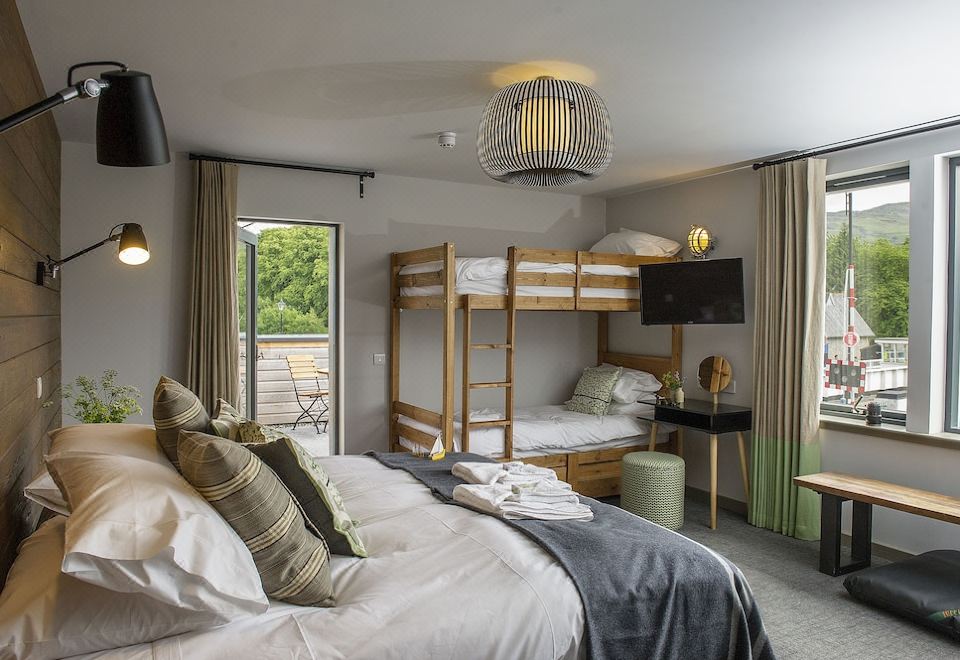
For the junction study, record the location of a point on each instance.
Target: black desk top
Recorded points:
(705, 415)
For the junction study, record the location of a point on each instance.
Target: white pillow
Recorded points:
(635, 409)
(44, 491)
(136, 440)
(627, 241)
(633, 384)
(47, 614)
(139, 527)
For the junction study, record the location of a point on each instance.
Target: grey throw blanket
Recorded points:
(647, 592)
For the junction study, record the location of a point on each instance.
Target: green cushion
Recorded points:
(317, 495)
(594, 390)
(228, 423)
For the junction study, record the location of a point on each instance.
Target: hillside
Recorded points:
(889, 221)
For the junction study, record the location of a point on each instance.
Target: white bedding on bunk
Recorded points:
(542, 430)
(440, 582)
(488, 276)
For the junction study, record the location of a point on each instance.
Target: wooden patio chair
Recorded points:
(311, 397)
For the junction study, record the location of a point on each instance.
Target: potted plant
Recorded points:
(97, 402)
(674, 382)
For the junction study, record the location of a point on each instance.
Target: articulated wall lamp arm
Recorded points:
(86, 89)
(133, 250)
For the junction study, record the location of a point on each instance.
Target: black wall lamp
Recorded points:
(132, 250)
(130, 130)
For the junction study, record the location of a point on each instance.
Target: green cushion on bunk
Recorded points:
(594, 390)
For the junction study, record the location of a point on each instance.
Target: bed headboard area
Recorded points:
(668, 360)
(29, 314)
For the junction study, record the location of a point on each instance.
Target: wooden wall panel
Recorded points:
(29, 314)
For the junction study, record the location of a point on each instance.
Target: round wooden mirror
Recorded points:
(714, 373)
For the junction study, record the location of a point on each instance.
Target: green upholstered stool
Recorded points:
(651, 486)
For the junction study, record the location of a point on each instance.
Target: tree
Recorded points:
(293, 266)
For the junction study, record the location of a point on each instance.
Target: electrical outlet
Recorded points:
(39, 387)
(379, 359)
(732, 389)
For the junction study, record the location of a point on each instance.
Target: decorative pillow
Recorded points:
(230, 424)
(633, 385)
(45, 613)
(627, 241)
(924, 589)
(294, 564)
(176, 408)
(317, 495)
(635, 409)
(138, 527)
(594, 390)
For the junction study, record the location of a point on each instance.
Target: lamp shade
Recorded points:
(700, 241)
(133, 245)
(545, 132)
(130, 131)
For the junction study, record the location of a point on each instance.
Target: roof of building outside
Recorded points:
(835, 318)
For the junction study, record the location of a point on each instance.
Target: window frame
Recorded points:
(951, 422)
(849, 184)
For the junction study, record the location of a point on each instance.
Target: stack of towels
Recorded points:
(516, 490)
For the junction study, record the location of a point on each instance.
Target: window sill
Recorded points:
(891, 432)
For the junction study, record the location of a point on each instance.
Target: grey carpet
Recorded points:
(808, 614)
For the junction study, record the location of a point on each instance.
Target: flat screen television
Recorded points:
(690, 292)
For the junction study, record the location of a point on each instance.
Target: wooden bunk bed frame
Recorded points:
(594, 473)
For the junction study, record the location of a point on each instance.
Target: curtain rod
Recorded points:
(915, 129)
(361, 174)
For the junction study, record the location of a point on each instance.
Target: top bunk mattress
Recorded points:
(487, 276)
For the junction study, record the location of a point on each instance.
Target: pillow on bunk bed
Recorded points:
(633, 385)
(594, 390)
(45, 613)
(627, 241)
(635, 409)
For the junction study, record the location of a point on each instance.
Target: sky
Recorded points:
(868, 198)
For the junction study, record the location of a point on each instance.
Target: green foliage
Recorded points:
(889, 221)
(293, 266)
(93, 402)
(882, 279)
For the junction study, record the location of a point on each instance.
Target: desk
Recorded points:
(714, 419)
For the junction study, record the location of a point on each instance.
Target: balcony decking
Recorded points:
(276, 397)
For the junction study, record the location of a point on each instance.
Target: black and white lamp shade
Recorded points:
(545, 133)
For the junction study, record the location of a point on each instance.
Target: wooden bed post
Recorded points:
(603, 335)
(449, 341)
(394, 438)
(465, 368)
(511, 339)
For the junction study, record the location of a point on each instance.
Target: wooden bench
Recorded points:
(836, 488)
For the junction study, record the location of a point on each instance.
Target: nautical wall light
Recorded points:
(132, 250)
(130, 130)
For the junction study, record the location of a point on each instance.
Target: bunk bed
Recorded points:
(434, 278)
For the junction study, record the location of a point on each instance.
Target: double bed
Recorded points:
(445, 582)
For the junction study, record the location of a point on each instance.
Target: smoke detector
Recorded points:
(447, 139)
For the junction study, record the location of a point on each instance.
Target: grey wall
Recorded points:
(728, 203)
(134, 320)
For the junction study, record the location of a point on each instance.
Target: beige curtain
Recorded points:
(213, 370)
(788, 346)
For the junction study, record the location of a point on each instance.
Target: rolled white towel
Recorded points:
(478, 473)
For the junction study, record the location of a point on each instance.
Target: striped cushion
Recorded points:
(176, 408)
(294, 564)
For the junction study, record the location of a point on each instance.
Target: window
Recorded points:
(952, 423)
(866, 346)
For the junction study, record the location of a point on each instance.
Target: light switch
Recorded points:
(732, 388)
(39, 387)
(379, 359)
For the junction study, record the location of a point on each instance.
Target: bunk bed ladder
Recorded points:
(506, 384)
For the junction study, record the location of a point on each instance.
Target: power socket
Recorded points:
(732, 388)
(379, 359)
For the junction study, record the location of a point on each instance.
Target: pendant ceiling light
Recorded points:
(545, 133)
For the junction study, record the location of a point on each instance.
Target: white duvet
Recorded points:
(440, 582)
(488, 276)
(547, 430)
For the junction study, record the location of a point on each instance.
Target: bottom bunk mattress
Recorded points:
(543, 430)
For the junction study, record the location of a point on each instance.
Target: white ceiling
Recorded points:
(690, 85)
